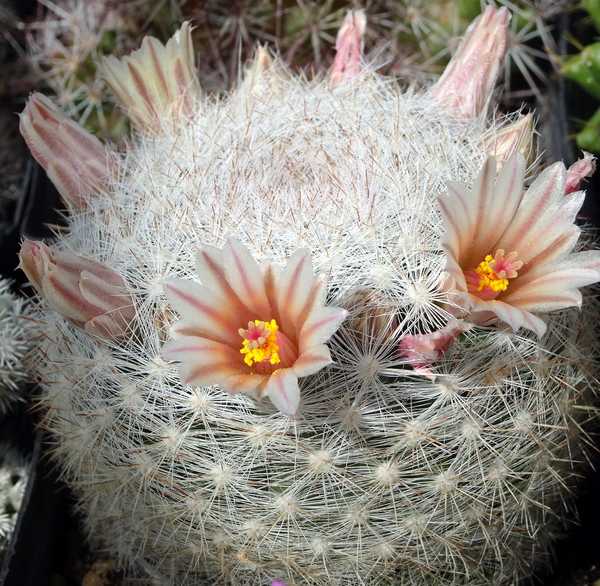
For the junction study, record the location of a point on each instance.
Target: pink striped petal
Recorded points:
(312, 361)
(245, 277)
(320, 326)
(203, 362)
(283, 390)
(205, 313)
(294, 289)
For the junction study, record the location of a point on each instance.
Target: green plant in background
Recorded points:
(584, 69)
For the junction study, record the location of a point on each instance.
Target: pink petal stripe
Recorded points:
(503, 204)
(481, 195)
(251, 384)
(556, 225)
(458, 220)
(516, 318)
(528, 222)
(201, 351)
(203, 310)
(320, 326)
(283, 390)
(245, 277)
(294, 288)
(312, 361)
(549, 258)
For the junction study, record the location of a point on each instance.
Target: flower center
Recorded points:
(492, 274)
(260, 342)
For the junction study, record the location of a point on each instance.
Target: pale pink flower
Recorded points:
(422, 350)
(509, 252)
(277, 583)
(157, 82)
(349, 46)
(76, 161)
(250, 328)
(468, 81)
(578, 171)
(87, 293)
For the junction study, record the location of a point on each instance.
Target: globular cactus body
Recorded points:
(387, 474)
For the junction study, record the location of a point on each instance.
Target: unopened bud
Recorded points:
(467, 82)
(349, 45)
(578, 171)
(514, 137)
(371, 316)
(157, 82)
(76, 161)
(87, 293)
(422, 350)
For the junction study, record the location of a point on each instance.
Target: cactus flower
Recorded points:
(467, 82)
(76, 161)
(349, 45)
(508, 252)
(251, 329)
(87, 293)
(156, 82)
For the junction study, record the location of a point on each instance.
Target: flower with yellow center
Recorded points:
(536, 225)
(237, 292)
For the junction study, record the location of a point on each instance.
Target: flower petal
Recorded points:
(312, 361)
(204, 313)
(283, 390)
(537, 206)
(245, 277)
(203, 362)
(294, 289)
(516, 318)
(320, 326)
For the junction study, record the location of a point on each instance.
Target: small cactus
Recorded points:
(15, 331)
(236, 430)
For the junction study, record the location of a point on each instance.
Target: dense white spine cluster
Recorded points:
(15, 330)
(385, 476)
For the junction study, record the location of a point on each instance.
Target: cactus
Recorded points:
(15, 331)
(216, 418)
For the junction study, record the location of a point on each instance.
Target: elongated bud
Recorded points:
(263, 73)
(467, 82)
(349, 45)
(578, 171)
(87, 293)
(422, 350)
(371, 316)
(514, 137)
(76, 161)
(157, 82)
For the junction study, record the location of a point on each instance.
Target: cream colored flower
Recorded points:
(250, 328)
(509, 253)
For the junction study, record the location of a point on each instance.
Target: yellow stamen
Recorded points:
(260, 342)
(489, 278)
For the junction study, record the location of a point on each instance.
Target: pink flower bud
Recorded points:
(349, 45)
(76, 162)
(514, 137)
(467, 82)
(90, 295)
(422, 350)
(578, 171)
(157, 82)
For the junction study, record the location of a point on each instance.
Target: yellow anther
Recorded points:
(260, 342)
(489, 278)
